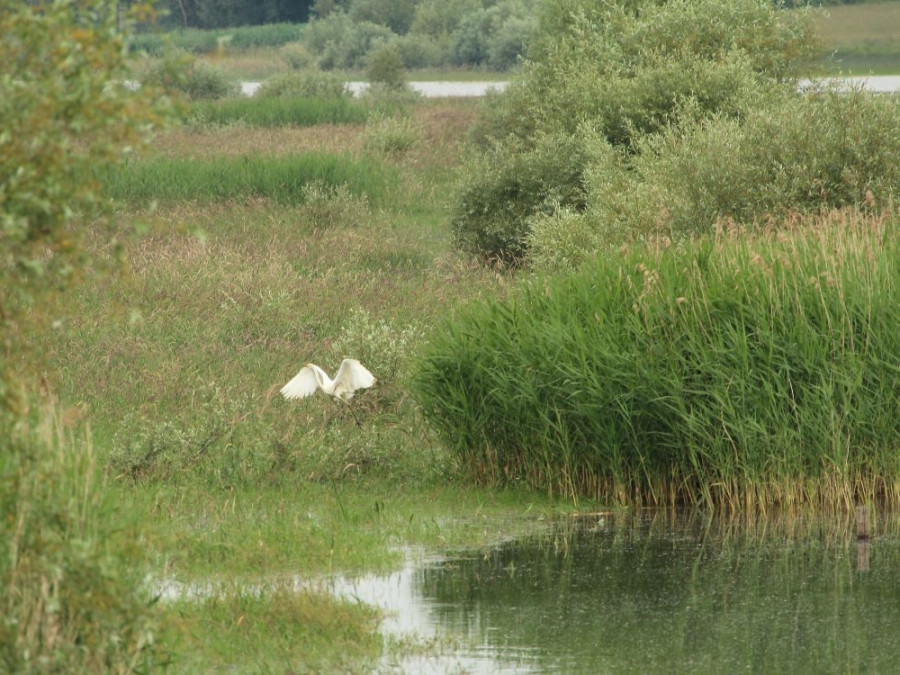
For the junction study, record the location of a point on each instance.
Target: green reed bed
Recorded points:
(281, 179)
(279, 111)
(724, 372)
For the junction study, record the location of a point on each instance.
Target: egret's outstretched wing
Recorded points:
(304, 384)
(352, 375)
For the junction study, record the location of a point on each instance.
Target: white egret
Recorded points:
(352, 375)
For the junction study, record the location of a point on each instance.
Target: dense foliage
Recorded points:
(668, 122)
(742, 371)
(63, 112)
(69, 603)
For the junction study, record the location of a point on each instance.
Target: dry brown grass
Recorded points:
(443, 124)
(237, 141)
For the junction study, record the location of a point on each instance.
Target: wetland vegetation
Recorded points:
(547, 339)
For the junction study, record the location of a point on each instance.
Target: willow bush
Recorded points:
(625, 71)
(825, 149)
(723, 372)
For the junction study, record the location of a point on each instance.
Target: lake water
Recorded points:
(654, 593)
(875, 83)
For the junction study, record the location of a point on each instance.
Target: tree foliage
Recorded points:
(64, 109)
(608, 77)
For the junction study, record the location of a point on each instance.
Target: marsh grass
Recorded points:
(745, 371)
(278, 111)
(72, 598)
(281, 179)
(283, 627)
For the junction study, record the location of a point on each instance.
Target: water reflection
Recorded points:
(650, 592)
(667, 593)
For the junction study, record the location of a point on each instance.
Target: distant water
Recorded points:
(427, 89)
(875, 83)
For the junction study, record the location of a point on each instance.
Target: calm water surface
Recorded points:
(655, 593)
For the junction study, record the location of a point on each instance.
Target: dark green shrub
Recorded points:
(626, 73)
(437, 18)
(397, 15)
(496, 36)
(503, 187)
(341, 42)
(422, 51)
(386, 67)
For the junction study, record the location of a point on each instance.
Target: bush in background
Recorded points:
(297, 56)
(625, 75)
(510, 183)
(178, 72)
(800, 153)
(310, 83)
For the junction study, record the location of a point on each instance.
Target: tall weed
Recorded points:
(71, 601)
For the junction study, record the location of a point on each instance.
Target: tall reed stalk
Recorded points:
(728, 372)
(69, 603)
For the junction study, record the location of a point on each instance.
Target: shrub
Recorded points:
(340, 42)
(307, 83)
(812, 152)
(495, 36)
(297, 56)
(386, 67)
(504, 187)
(437, 18)
(626, 73)
(397, 15)
(422, 51)
(390, 135)
(325, 206)
(180, 73)
(62, 115)
(727, 371)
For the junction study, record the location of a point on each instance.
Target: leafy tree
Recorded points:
(64, 109)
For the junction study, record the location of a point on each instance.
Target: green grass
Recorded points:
(281, 179)
(862, 38)
(270, 112)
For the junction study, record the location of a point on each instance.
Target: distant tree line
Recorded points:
(397, 15)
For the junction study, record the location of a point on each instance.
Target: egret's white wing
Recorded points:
(352, 375)
(304, 384)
